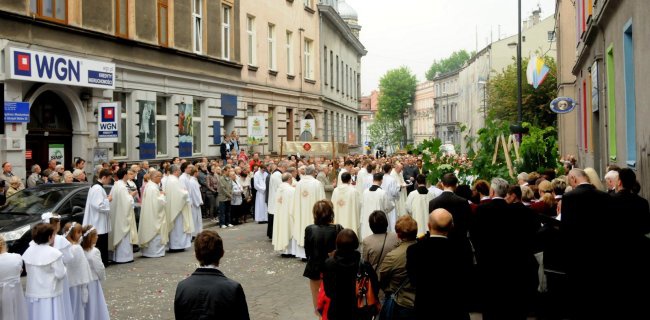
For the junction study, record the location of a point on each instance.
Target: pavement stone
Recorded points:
(275, 288)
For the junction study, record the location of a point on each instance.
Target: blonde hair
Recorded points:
(593, 178)
(14, 181)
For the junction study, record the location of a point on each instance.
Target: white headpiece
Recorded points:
(89, 231)
(45, 217)
(65, 235)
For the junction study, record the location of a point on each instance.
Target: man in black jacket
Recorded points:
(207, 293)
(437, 270)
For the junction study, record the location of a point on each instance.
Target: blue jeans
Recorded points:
(224, 213)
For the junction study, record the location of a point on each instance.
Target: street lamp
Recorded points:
(517, 128)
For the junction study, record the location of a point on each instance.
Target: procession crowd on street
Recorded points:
(427, 251)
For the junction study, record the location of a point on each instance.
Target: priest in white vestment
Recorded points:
(391, 187)
(274, 183)
(194, 193)
(259, 183)
(124, 232)
(283, 221)
(417, 204)
(178, 212)
(154, 226)
(362, 176)
(347, 167)
(308, 192)
(186, 174)
(373, 199)
(97, 211)
(347, 204)
(400, 202)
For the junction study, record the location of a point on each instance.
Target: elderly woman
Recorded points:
(14, 186)
(393, 278)
(68, 177)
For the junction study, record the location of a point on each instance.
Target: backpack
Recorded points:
(368, 304)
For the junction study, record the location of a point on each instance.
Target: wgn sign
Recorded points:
(41, 66)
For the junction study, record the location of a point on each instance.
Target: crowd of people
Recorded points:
(436, 251)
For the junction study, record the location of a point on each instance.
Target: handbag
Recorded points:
(368, 304)
(323, 302)
(388, 308)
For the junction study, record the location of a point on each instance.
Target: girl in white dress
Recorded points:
(63, 245)
(78, 271)
(12, 300)
(96, 308)
(45, 273)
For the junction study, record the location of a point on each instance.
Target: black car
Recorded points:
(23, 210)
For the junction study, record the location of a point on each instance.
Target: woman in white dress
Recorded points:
(45, 273)
(12, 299)
(78, 271)
(96, 308)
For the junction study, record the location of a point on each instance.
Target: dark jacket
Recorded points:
(438, 273)
(208, 294)
(320, 240)
(461, 212)
(339, 281)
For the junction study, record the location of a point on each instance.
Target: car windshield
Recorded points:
(35, 201)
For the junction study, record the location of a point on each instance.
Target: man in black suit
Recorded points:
(437, 270)
(410, 172)
(459, 209)
(502, 236)
(590, 253)
(225, 149)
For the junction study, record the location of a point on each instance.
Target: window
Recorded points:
(630, 94)
(55, 10)
(309, 62)
(551, 36)
(197, 18)
(307, 3)
(122, 18)
(347, 80)
(252, 38)
(271, 41)
(331, 69)
(196, 127)
(611, 102)
(119, 148)
(163, 19)
(342, 78)
(225, 33)
(161, 126)
(289, 46)
(337, 73)
(325, 65)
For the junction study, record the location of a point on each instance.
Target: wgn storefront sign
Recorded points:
(48, 67)
(109, 122)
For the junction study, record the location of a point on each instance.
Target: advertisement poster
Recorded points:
(109, 120)
(307, 129)
(56, 152)
(256, 130)
(184, 130)
(147, 131)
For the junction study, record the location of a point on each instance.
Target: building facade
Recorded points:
(611, 39)
(565, 17)
(185, 73)
(472, 95)
(368, 108)
(423, 122)
(447, 124)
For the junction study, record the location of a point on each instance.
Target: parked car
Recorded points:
(23, 210)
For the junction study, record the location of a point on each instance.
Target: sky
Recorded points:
(414, 33)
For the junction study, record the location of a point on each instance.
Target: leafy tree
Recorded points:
(385, 132)
(482, 166)
(396, 92)
(502, 96)
(539, 149)
(455, 61)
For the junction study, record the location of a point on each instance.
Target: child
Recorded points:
(96, 308)
(45, 273)
(79, 274)
(63, 245)
(13, 303)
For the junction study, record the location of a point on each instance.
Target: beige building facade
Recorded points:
(565, 16)
(423, 122)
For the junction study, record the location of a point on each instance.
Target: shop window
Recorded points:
(196, 127)
(161, 126)
(54, 10)
(120, 148)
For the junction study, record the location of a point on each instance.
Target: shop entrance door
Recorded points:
(49, 132)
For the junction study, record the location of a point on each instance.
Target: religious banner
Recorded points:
(536, 71)
(147, 132)
(185, 130)
(307, 129)
(256, 130)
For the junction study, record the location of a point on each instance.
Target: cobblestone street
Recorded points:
(274, 286)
